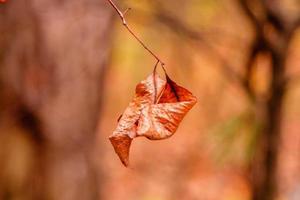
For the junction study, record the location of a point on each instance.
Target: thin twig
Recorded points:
(154, 82)
(128, 9)
(121, 14)
(154, 70)
(253, 19)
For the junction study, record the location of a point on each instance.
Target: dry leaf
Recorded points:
(155, 112)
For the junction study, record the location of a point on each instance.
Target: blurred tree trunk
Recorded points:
(272, 36)
(264, 166)
(52, 57)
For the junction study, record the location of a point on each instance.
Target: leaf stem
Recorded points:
(154, 82)
(122, 16)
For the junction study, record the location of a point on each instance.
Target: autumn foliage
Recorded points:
(155, 113)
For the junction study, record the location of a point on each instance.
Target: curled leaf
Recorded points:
(155, 112)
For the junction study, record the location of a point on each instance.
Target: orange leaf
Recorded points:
(155, 112)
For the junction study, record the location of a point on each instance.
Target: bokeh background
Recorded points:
(68, 69)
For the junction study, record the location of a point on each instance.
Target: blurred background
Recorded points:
(68, 69)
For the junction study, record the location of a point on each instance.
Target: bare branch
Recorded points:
(128, 9)
(259, 24)
(269, 13)
(122, 16)
(255, 22)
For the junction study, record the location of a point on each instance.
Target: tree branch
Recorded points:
(122, 16)
(256, 23)
(273, 16)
